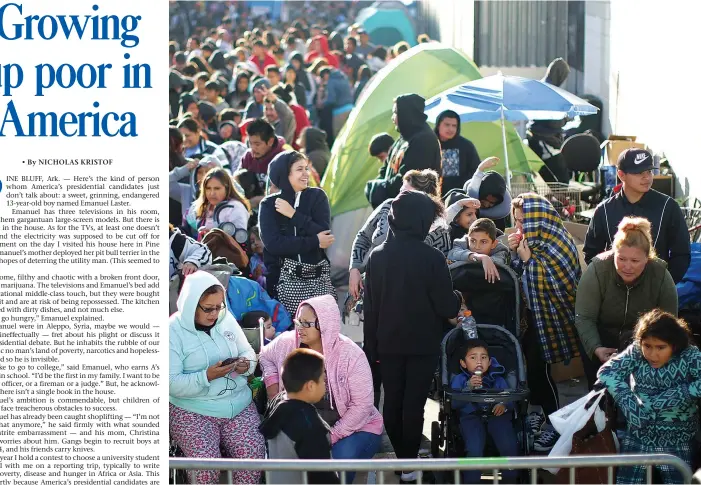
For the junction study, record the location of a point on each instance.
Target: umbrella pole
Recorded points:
(507, 171)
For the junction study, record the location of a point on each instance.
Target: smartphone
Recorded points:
(229, 361)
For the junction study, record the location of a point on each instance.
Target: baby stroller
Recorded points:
(496, 310)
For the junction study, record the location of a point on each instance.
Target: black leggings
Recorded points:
(406, 380)
(540, 381)
(376, 382)
(591, 367)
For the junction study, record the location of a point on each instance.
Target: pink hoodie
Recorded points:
(347, 371)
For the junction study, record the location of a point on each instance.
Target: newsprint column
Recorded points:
(83, 361)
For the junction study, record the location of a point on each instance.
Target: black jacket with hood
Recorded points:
(316, 149)
(408, 290)
(294, 430)
(294, 238)
(416, 149)
(238, 99)
(460, 158)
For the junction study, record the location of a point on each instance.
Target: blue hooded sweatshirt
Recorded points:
(193, 351)
(492, 380)
(338, 90)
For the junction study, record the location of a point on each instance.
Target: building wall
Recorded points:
(640, 59)
(450, 21)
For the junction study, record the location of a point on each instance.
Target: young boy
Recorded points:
(211, 94)
(292, 426)
(380, 145)
(481, 244)
(473, 427)
(460, 215)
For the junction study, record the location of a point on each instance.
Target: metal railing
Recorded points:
(454, 465)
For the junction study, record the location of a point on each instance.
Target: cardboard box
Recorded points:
(573, 370)
(579, 233)
(616, 144)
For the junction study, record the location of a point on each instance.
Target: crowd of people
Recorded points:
(255, 108)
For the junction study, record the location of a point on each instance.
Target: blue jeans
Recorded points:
(474, 433)
(361, 445)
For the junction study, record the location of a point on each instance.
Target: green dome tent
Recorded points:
(427, 70)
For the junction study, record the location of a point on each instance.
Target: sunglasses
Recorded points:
(213, 309)
(301, 324)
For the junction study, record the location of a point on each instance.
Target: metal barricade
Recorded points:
(454, 465)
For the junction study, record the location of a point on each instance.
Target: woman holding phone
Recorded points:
(210, 401)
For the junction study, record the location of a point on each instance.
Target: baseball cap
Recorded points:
(635, 160)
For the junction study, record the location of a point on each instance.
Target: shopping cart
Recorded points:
(692, 216)
(565, 198)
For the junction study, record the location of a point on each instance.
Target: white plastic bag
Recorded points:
(570, 419)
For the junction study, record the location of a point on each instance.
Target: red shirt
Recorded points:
(302, 121)
(268, 60)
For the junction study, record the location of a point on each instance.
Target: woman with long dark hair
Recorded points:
(219, 202)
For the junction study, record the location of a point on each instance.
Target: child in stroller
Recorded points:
(480, 372)
(495, 307)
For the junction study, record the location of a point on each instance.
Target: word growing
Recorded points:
(48, 27)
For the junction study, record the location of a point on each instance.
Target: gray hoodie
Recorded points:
(461, 252)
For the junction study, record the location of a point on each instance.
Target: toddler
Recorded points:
(473, 426)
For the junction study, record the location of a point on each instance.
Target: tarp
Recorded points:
(427, 69)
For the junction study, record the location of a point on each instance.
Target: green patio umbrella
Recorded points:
(427, 70)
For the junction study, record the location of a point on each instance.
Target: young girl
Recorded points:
(460, 215)
(217, 188)
(660, 407)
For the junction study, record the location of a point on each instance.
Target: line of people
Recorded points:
(240, 172)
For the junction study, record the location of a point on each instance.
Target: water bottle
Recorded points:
(468, 324)
(478, 373)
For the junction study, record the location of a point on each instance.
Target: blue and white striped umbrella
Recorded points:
(507, 98)
(517, 98)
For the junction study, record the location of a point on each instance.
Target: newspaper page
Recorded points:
(82, 286)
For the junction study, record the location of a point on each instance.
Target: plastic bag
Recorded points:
(570, 419)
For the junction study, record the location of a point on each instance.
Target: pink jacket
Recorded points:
(347, 371)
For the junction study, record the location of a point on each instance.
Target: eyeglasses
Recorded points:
(213, 309)
(301, 324)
